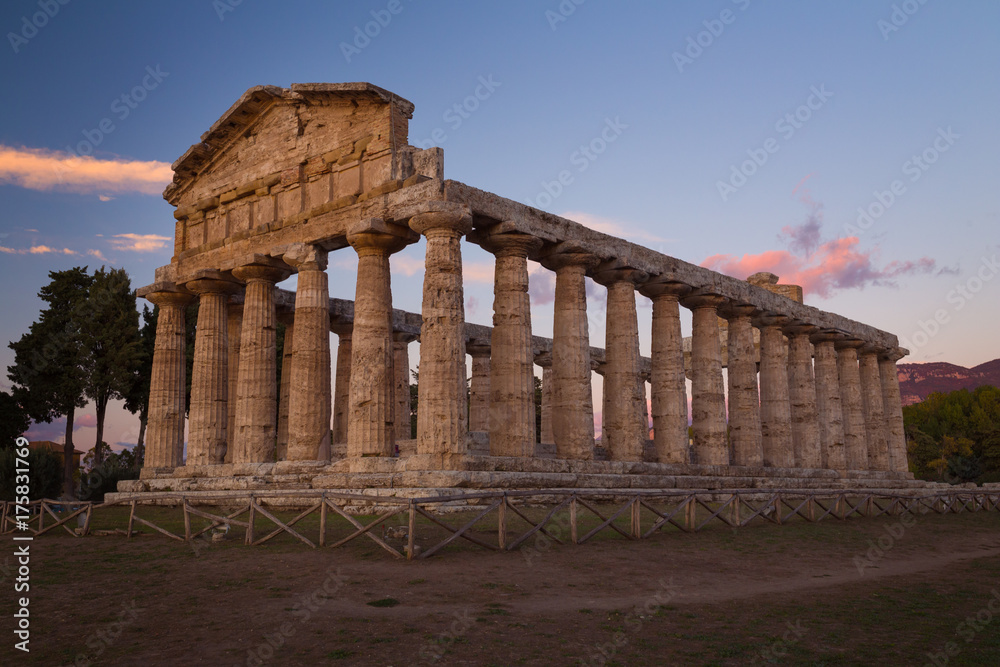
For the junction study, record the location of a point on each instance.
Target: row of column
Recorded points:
(842, 413)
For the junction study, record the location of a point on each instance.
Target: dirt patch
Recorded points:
(827, 593)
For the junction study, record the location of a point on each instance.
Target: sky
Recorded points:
(847, 147)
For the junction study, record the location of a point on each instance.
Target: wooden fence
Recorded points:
(633, 515)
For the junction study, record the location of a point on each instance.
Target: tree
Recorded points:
(49, 373)
(111, 343)
(14, 421)
(137, 399)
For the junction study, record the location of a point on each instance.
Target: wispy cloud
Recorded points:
(42, 169)
(38, 250)
(617, 228)
(139, 242)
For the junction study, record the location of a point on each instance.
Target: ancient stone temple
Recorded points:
(287, 176)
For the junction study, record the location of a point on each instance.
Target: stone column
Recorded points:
(167, 387)
(644, 378)
(546, 436)
(708, 400)
(855, 438)
(622, 433)
(744, 402)
(209, 413)
(802, 394)
(479, 388)
(284, 385)
(441, 422)
(234, 325)
(874, 413)
(775, 408)
(401, 371)
(892, 404)
(512, 377)
(370, 430)
(828, 405)
(668, 390)
(572, 398)
(342, 388)
(256, 392)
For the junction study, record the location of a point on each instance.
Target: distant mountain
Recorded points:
(918, 381)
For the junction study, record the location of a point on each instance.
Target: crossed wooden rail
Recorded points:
(733, 508)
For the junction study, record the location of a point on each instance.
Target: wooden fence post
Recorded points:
(322, 521)
(131, 518)
(573, 534)
(636, 519)
(502, 523)
(411, 533)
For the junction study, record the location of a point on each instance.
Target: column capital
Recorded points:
(454, 221)
(374, 235)
(213, 285)
(770, 320)
(849, 344)
(799, 328)
(568, 253)
(544, 359)
(305, 256)
(670, 288)
(894, 354)
(260, 273)
(508, 244)
(404, 337)
(698, 300)
(608, 274)
(826, 336)
(477, 349)
(169, 297)
(731, 310)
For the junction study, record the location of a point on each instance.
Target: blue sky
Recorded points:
(819, 109)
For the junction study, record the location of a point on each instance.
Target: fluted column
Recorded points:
(209, 413)
(708, 401)
(401, 372)
(572, 398)
(342, 387)
(893, 406)
(775, 407)
(545, 435)
(644, 422)
(871, 402)
(234, 326)
(371, 430)
(668, 390)
(479, 387)
(828, 405)
(622, 433)
(441, 418)
(256, 397)
(855, 438)
(284, 384)
(167, 387)
(744, 402)
(512, 384)
(802, 396)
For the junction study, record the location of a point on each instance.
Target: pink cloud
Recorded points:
(833, 266)
(41, 169)
(139, 242)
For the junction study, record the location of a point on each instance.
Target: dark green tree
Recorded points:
(49, 371)
(14, 421)
(111, 344)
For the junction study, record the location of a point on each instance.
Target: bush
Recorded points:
(45, 474)
(104, 479)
